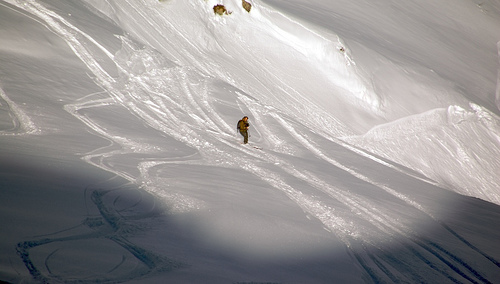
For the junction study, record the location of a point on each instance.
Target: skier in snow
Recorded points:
(243, 126)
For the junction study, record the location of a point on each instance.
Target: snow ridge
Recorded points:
(464, 140)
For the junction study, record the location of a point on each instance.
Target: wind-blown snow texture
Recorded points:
(376, 125)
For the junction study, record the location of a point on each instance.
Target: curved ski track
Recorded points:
(176, 103)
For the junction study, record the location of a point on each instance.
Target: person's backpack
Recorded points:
(238, 125)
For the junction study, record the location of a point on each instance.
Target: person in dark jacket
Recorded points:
(243, 126)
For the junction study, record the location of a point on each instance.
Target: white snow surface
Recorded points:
(373, 156)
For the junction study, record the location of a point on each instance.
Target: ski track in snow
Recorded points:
(175, 102)
(20, 120)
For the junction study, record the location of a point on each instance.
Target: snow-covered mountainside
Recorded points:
(373, 156)
(315, 78)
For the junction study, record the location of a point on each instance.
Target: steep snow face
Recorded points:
(435, 70)
(451, 42)
(265, 53)
(305, 71)
(309, 72)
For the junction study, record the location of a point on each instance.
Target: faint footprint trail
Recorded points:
(92, 234)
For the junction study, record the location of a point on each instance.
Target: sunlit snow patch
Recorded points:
(456, 147)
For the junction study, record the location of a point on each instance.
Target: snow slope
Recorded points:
(378, 160)
(334, 83)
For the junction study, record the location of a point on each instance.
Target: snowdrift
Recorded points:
(440, 140)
